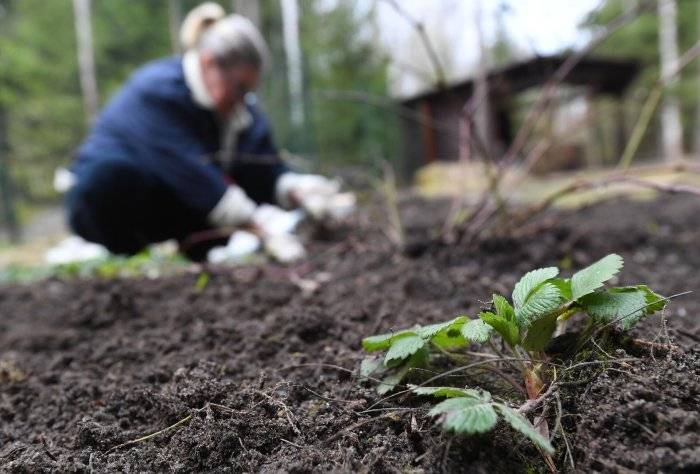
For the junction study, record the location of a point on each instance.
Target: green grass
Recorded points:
(150, 263)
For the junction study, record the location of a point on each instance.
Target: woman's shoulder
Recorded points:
(162, 78)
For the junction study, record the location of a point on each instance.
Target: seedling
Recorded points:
(540, 301)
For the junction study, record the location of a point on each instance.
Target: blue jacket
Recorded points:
(154, 123)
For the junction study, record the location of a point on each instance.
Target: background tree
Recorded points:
(640, 40)
(671, 128)
(86, 58)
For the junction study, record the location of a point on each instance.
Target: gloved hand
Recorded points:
(317, 195)
(233, 209)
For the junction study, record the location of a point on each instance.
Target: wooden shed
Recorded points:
(431, 122)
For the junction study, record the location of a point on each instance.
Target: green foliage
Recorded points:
(529, 284)
(39, 86)
(623, 306)
(469, 412)
(147, 263)
(202, 282)
(404, 346)
(543, 300)
(540, 300)
(411, 348)
(639, 40)
(503, 321)
(342, 66)
(593, 277)
(540, 332)
(521, 424)
(447, 392)
(466, 415)
(534, 295)
(476, 330)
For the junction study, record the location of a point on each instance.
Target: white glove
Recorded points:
(63, 180)
(234, 208)
(318, 195)
(285, 248)
(272, 220)
(241, 245)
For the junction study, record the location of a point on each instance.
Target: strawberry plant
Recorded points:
(525, 325)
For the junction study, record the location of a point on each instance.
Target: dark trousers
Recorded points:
(124, 208)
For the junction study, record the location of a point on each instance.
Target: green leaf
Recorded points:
(530, 282)
(466, 415)
(476, 330)
(449, 339)
(377, 343)
(508, 330)
(381, 342)
(202, 282)
(564, 286)
(431, 330)
(540, 333)
(625, 306)
(542, 301)
(655, 302)
(404, 346)
(390, 382)
(369, 365)
(449, 392)
(503, 308)
(592, 277)
(522, 425)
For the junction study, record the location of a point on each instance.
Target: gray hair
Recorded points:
(233, 39)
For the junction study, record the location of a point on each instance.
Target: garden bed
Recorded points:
(260, 366)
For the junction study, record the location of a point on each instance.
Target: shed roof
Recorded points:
(607, 75)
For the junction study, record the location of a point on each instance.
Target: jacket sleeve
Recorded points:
(257, 165)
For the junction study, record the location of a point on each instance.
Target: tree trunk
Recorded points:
(6, 189)
(290, 26)
(174, 23)
(482, 103)
(671, 128)
(249, 9)
(86, 58)
(697, 104)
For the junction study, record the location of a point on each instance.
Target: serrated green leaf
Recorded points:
(594, 276)
(503, 307)
(449, 339)
(655, 302)
(404, 346)
(391, 381)
(542, 301)
(448, 392)
(508, 330)
(540, 333)
(476, 330)
(523, 425)
(530, 282)
(381, 342)
(369, 365)
(431, 330)
(466, 415)
(624, 306)
(564, 286)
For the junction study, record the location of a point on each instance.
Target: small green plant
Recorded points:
(540, 301)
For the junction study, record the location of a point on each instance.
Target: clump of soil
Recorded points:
(260, 368)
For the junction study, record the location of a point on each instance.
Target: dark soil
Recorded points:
(265, 365)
